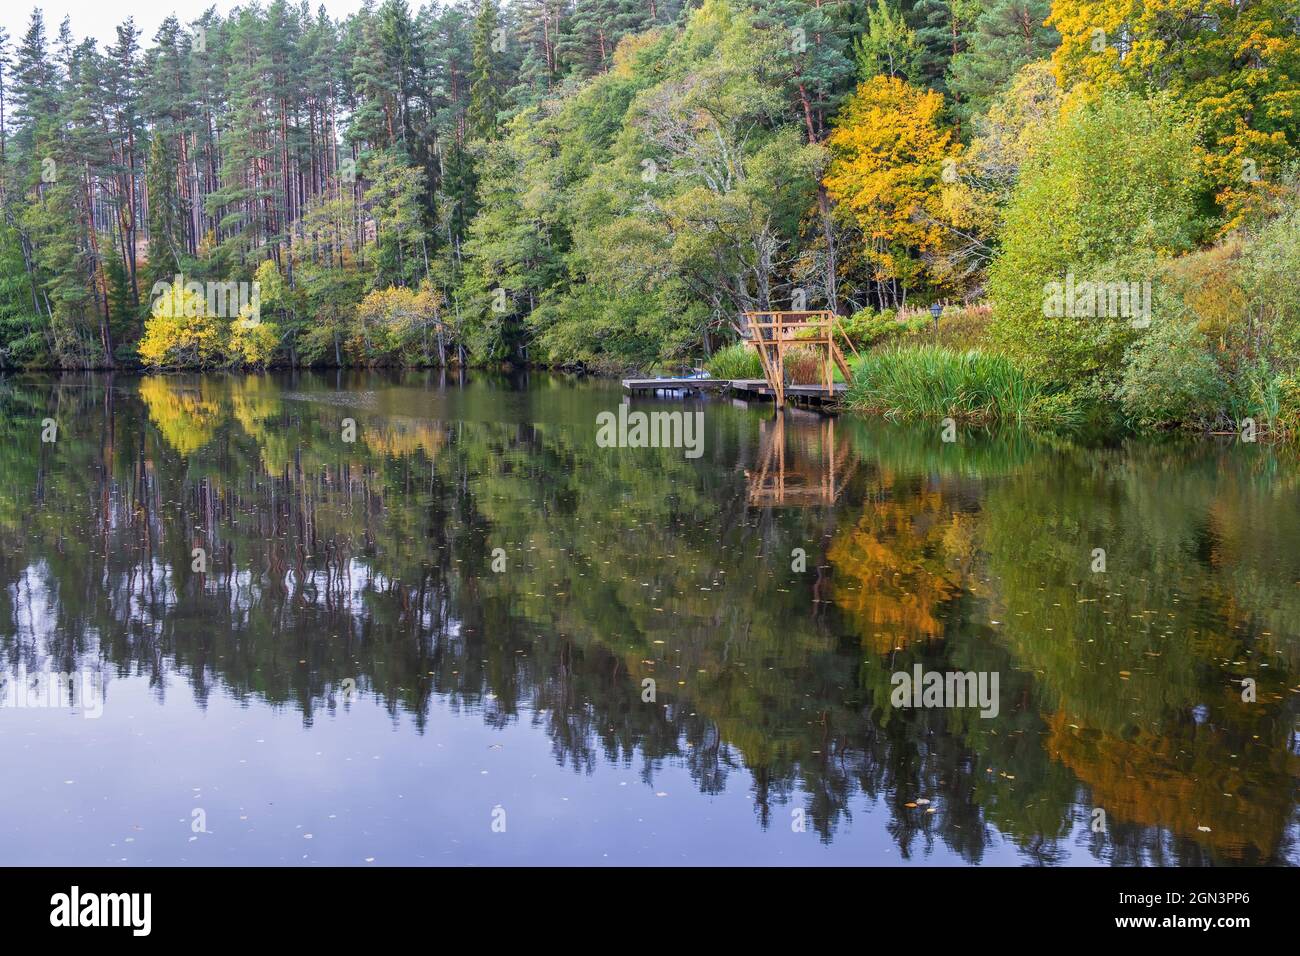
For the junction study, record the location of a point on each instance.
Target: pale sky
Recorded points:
(99, 19)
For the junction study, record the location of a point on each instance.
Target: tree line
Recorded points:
(605, 183)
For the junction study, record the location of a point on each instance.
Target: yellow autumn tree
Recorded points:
(252, 341)
(1236, 65)
(888, 156)
(398, 324)
(180, 331)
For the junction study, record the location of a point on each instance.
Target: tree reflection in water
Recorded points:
(372, 561)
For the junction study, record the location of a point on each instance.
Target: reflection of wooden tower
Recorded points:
(773, 333)
(810, 470)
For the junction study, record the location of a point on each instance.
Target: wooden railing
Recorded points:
(772, 334)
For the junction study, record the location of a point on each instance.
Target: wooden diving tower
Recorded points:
(808, 468)
(772, 334)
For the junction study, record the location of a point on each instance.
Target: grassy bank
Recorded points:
(929, 381)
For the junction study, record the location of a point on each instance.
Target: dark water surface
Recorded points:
(351, 682)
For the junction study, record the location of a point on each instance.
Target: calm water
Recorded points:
(351, 682)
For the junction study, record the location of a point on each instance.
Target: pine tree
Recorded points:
(165, 245)
(485, 95)
(1006, 35)
(539, 34)
(942, 29)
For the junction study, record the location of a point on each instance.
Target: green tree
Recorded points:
(485, 93)
(1112, 189)
(1007, 34)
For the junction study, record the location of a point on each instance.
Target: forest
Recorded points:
(1100, 195)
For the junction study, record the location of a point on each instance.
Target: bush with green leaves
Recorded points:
(1112, 191)
(1269, 275)
(1170, 379)
(1287, 422)
(867, 329)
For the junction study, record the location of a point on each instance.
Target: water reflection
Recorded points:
(802, 465)
(220, 530)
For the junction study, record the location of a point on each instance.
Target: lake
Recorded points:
(380, 619)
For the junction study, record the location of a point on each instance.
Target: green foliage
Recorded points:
(1005, 36)
(1286, 423)
(485, 97)
(1169, 379)
(1112, 189)
(399, 251)
(1270, 281)
(921, 381)
(866, 329)
(943, 29)
(888, 46)
(737, 361)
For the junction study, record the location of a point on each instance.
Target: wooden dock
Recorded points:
(676, 384)
(752, 387)
(772, 335)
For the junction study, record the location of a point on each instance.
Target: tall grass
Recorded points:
(928, 381)
(735, 362)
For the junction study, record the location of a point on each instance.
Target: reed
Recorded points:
(928, 381)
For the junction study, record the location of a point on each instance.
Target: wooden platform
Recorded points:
(772, 334)
(815, 394)
(676, 384)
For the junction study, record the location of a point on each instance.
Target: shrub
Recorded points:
(181, 332)
(1287, 422)
(867, 329)
(1170, 379)
(1270, 278)
(964, 327)
(398, 325)
(1113, 188)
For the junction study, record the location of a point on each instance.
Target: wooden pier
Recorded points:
(745, 387)
(772, 335)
